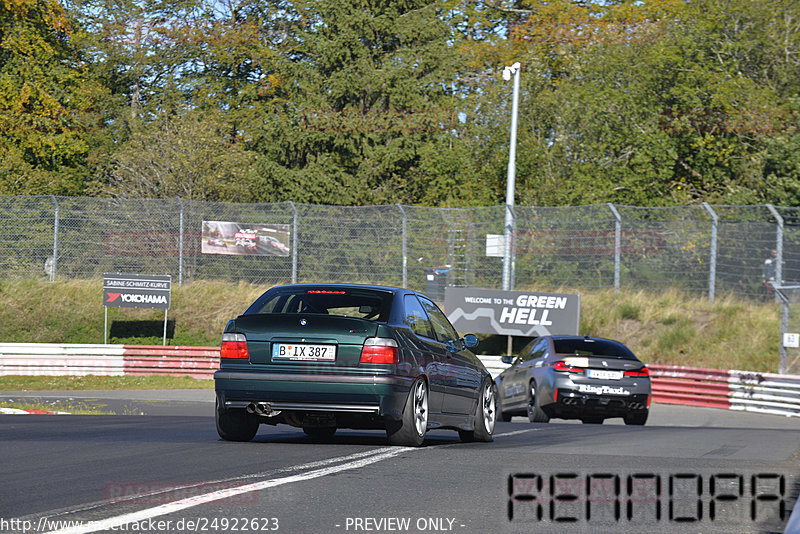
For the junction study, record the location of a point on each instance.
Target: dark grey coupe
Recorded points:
(570, 377)
(327, 356)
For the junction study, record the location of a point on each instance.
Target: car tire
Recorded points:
(320, 433)
(636, 418)
(410, 430)
(235, 425)
(535, 412)
(485, 416)
(592, 420)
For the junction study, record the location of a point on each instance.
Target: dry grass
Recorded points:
(666, 327)
(672, 328)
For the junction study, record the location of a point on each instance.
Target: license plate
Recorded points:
(305, 352)
(604, 375)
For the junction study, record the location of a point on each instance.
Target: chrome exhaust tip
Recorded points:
(251, 408)
(263, 408)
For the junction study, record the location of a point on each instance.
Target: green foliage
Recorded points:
(654, 103)
(49, 103)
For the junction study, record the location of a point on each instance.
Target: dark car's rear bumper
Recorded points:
(377, 395)
(572, 404)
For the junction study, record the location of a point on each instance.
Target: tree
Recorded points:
(185, 155)
(49, 103)
(368, 89)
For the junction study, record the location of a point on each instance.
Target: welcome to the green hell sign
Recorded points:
(513, 313)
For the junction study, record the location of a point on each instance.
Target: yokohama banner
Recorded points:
(136, 291)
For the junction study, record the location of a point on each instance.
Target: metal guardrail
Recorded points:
(44, 359)
(689, 386)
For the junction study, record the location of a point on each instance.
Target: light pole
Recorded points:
(511, 179)
(510, 184)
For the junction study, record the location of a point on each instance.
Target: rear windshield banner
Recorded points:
(512, 313)
(245, 239)
(122, 290)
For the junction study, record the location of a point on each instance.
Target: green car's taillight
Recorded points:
(234, 347)
(380, 350)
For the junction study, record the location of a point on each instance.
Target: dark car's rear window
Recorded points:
(596, 347)
(367, 304)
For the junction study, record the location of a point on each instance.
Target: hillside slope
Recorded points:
(667, 328)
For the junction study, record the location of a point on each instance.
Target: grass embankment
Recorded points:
(660, 327)
(56, 383)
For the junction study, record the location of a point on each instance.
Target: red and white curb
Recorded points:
(18, 411)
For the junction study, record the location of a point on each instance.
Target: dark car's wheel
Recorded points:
(235, 425)
(485, 414)
(410, 430)
(592, 420)
(321, 433)
(636, 418)
(535, 412)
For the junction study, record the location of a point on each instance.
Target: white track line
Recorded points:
(227, 493)
(177, 487)
(517, 432)
(353, 461)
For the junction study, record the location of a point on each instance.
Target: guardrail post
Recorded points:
(180, 248)
(55, 240)
(405, 245)
(778, 246)
(295, 239)
(712, 271)
(617, 244)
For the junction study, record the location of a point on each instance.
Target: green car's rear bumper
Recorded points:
(377, 395)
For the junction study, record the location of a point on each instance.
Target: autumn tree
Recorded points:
(50, 105)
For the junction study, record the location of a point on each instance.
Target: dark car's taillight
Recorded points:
(234, 346)
(644, 371)
(380, 350)
(563, 367)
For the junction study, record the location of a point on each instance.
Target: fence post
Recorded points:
(180, 247)
(55, 240)
(780, 293)
(778, 246)
(712, 274)
(617, 244)
(294, 242)
(405, 245)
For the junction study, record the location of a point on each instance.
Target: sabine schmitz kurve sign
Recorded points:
(126, 290)
(512, 313)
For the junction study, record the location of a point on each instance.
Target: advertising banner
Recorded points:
(245, 239)
(512, 313)
(121, 290)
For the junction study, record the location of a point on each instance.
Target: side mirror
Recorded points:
(471, 340)
(508, 360)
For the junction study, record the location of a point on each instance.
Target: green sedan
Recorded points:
(326, 356)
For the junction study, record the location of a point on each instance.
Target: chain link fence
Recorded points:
(701, 249)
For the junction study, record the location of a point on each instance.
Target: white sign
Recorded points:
(791, 341)
(495, 245)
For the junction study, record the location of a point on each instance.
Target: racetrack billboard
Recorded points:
(512, 313)
(245, 239)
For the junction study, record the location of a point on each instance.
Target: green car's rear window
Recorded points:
(596, 347)
(345, 302)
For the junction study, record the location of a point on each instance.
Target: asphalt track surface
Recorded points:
(167, 471)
